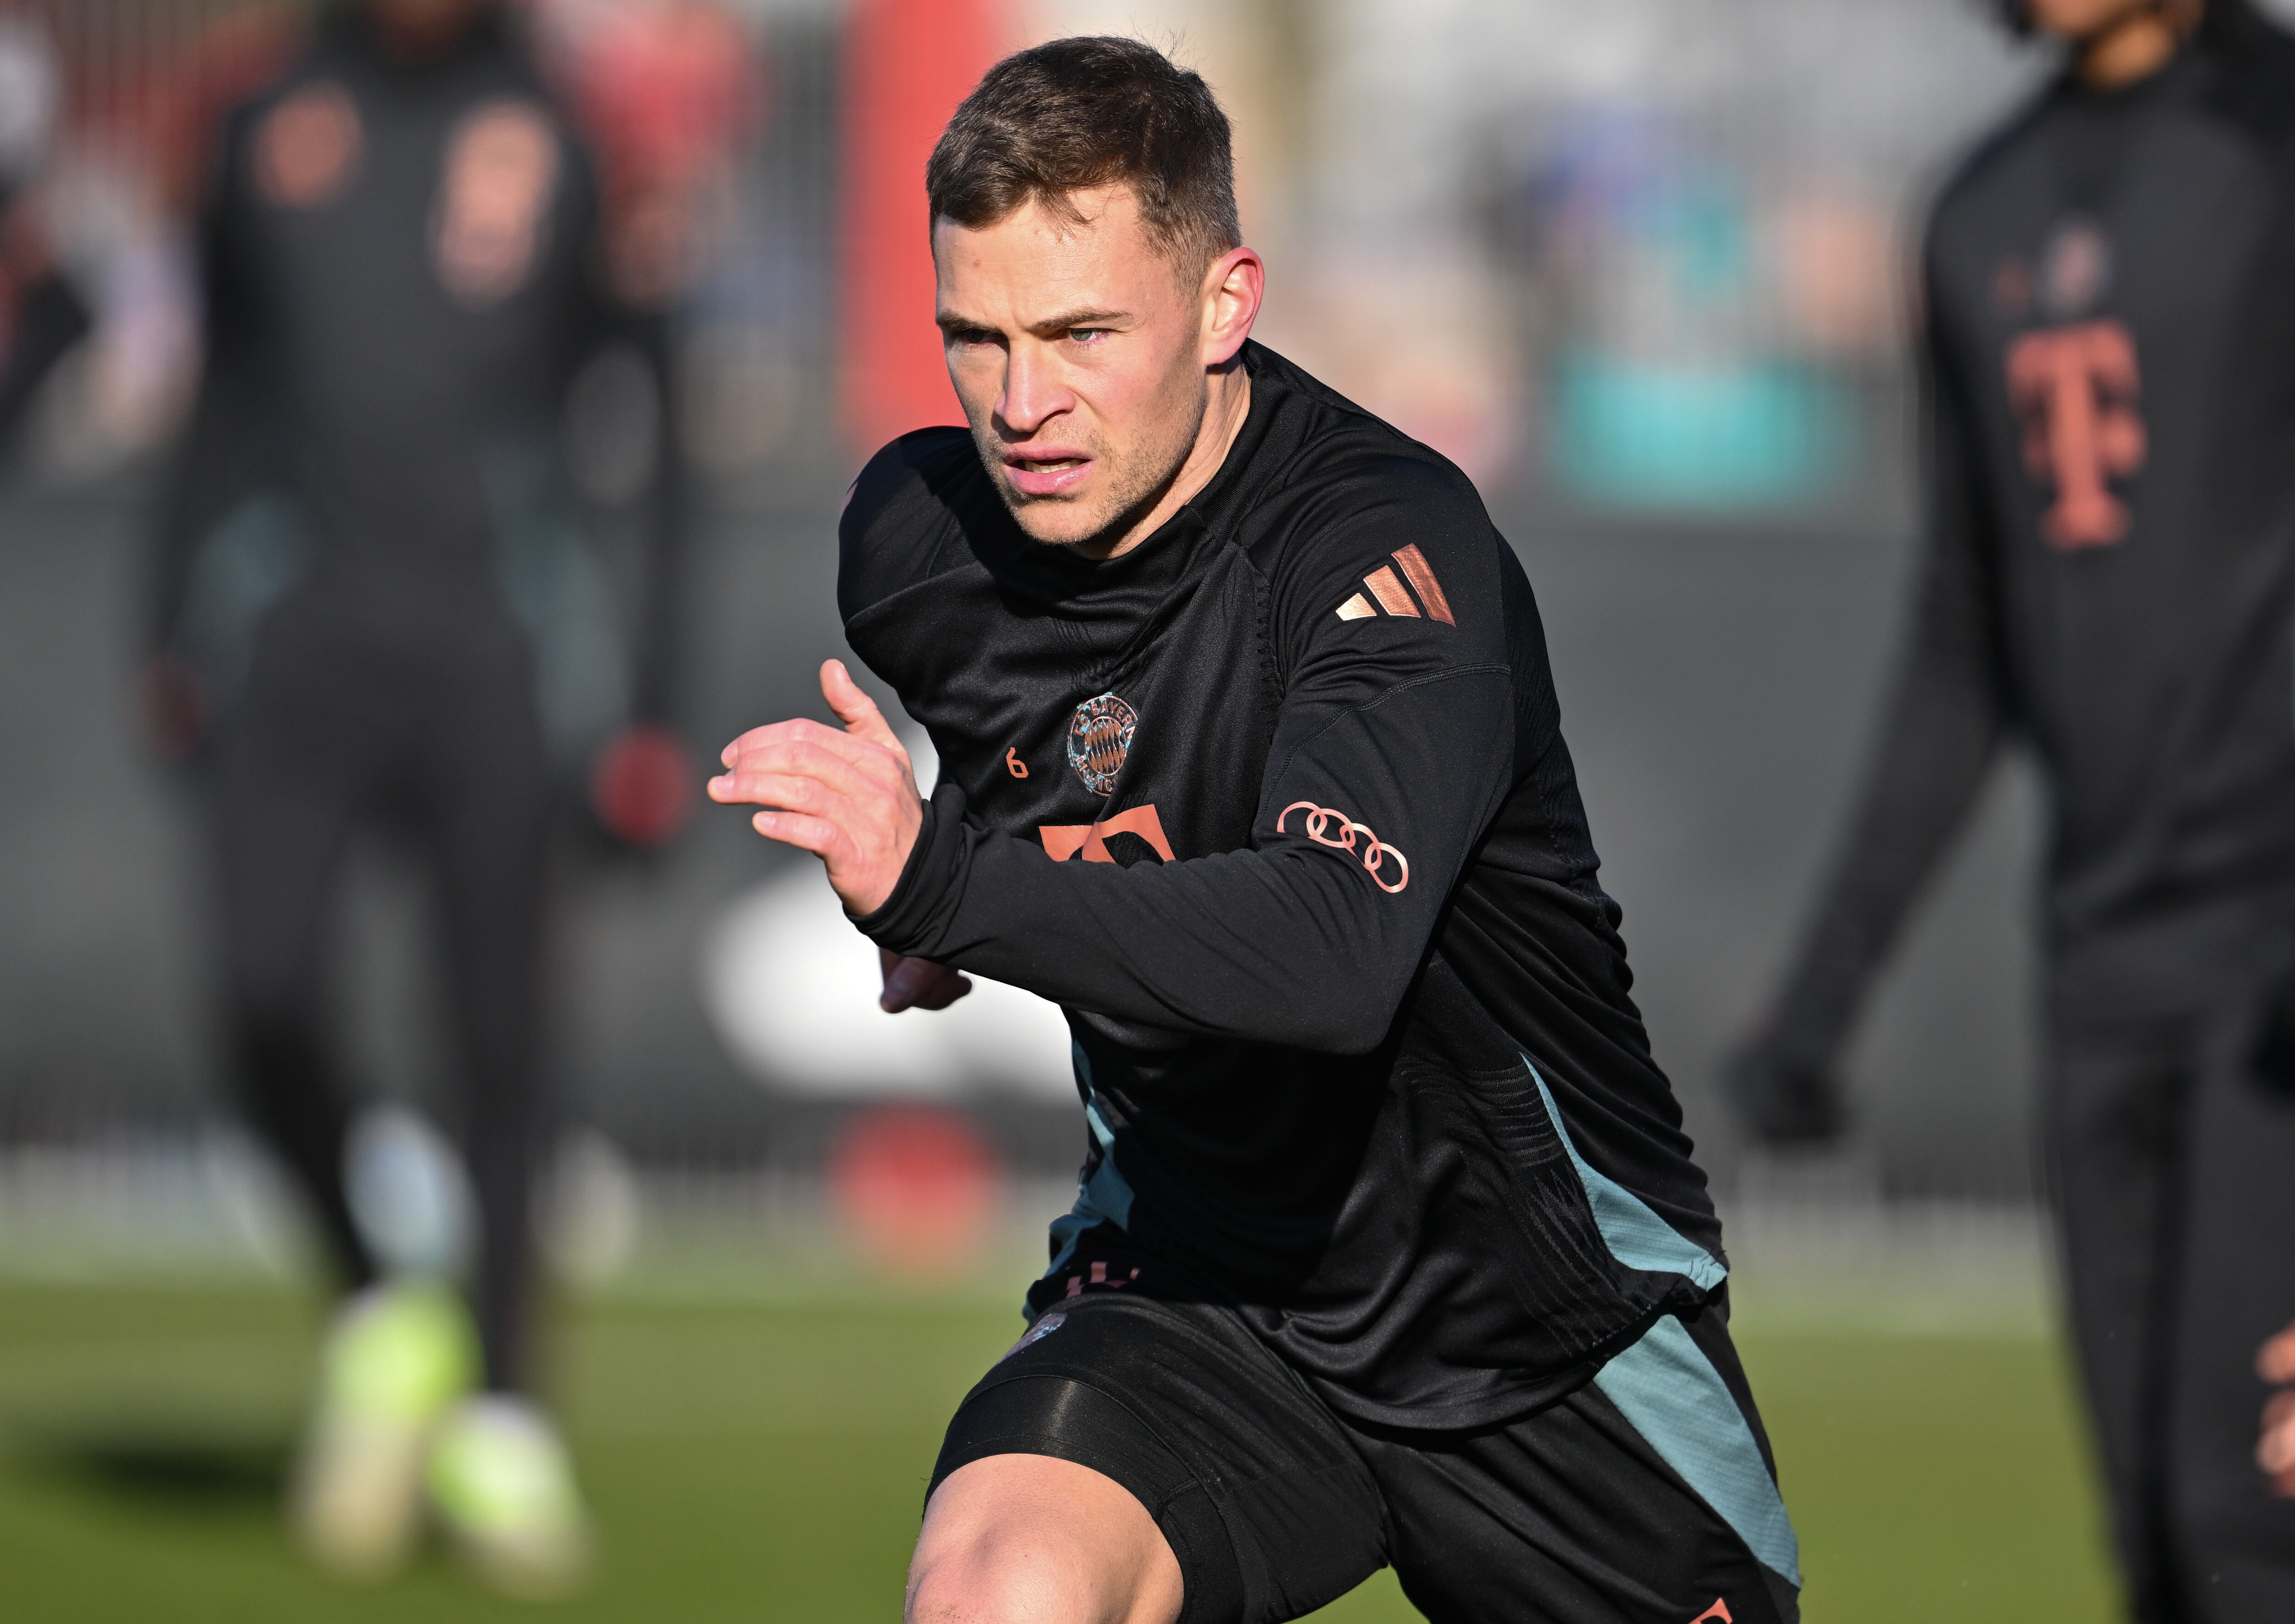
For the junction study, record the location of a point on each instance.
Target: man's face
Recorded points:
(1079, 352)
(2084, 19)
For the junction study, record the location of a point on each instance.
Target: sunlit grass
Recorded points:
(764, 1458)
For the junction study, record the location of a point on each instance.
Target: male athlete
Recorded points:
(2111, 573)
(1388, 1247)
(375, 605)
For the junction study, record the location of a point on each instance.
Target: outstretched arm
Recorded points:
(1935, 740)
(1373, 798)
(1396, 738)
(641, 775)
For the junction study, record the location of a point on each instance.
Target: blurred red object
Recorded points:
(641, 786)
(670, 89)
(908, 63)
(915, 1187)
(668, 92)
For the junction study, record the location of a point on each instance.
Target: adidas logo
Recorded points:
(1389, 596)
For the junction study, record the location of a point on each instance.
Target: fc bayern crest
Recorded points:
(1099, 737)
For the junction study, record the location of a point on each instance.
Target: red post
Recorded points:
(908, 63)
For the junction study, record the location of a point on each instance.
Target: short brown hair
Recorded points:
(1092, 110)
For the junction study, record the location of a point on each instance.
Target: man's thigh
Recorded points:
(1645, 1496)
(1260, 1493)
(290, 782)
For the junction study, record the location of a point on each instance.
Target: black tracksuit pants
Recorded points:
(2173, 1172)
(348, 715)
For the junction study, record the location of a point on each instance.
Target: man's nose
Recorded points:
(1032, 390)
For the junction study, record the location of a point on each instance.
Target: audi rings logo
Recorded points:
(1352, 837)
(1099, 737)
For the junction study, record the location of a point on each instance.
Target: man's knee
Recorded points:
(998, 1581)
(1031, 1539)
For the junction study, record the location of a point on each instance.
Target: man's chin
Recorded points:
(1062, 531)
(1055, 521)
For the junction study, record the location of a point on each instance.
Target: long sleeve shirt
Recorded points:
(404, 267)
(1275, 805)
(2109, 576)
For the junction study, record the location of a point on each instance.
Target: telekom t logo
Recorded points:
(2075, 388)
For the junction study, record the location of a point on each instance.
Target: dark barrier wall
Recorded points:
(1715, 687)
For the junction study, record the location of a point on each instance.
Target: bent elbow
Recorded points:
(1358, 1037)
(1354, 1023)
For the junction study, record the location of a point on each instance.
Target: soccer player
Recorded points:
(1388, 1246)
(2110, 577)
(371, 609)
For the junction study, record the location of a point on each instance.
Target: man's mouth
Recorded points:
(1048, 473)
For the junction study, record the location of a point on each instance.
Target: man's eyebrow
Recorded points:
(950, 322)
(1076, 318)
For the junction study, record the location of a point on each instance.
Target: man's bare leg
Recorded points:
(1031, 1539)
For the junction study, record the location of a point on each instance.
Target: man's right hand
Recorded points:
(1783, 1100)
(919, 983)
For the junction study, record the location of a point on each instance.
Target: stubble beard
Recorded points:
(1132, 483)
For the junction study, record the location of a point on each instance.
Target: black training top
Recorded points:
(404, 265)
(1276, 807)
(2110, 560)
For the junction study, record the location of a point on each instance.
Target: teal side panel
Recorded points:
(1637, 1236)
(1666, 1387)
(1106, 1196)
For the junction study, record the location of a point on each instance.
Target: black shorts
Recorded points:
(1647, 1494)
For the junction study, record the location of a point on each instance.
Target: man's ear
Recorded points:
(1233, 286)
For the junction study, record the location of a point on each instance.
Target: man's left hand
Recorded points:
(849, 797)
(2275, 1451)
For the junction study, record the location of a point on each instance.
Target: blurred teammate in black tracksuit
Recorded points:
(375, 603)
(2110, 576)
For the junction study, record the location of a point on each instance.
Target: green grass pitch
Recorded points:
(761, 1457)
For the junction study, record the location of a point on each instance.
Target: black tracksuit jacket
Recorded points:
(378, 448)
(1276, 807)
(2109, 572)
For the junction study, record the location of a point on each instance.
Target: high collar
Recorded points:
(1169, 552)
(349, 30)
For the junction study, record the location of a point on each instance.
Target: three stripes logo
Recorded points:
(1390, 599)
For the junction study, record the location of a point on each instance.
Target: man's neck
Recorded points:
(1223, 418)
(2133, 48)
(421, 43)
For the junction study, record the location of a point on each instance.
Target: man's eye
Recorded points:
(970, 334)
(1087, 335)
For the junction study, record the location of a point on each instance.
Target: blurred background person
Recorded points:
(42, 315)
(375, 606)
(2111, 577)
